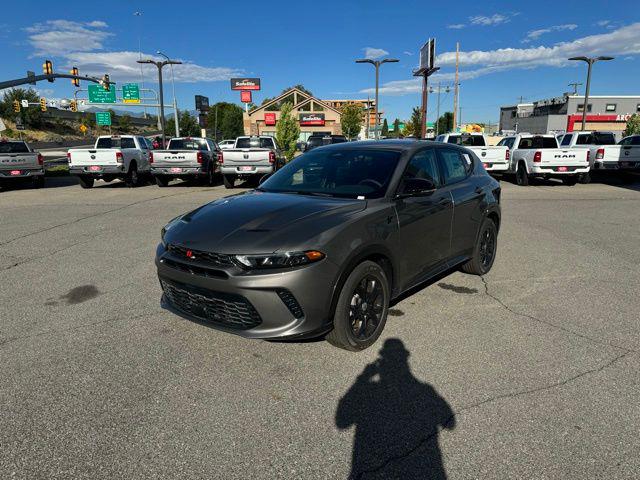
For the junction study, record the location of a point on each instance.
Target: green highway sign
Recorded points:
(97, 94)
(130, 93)
(103, 118)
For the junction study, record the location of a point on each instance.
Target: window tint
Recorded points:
(439, 138)
(537, 142)
(583, 139)
(566, 141)
(467, 140)
(596, 138)
(116, 142)
(187, 144)
(13, 147)
(423, 165)
(254, 143)
(142, 142)
(635, 140)
(454, 166)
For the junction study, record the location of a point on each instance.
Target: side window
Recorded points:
(566, 141)
(423, 165)
(626, 141)
(455, 167)
(142, 143)
(509, 142)
(635, 140)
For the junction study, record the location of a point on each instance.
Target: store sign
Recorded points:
(572, 120)
(245, 84)
(202, 103)
(269, 118)
(311, 119)
(245, 96)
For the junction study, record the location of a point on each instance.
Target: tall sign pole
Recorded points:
(426, 69)
(455, 91)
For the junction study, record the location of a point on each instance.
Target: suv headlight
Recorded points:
(277, 260)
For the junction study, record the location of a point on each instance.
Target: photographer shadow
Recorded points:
(397, 420)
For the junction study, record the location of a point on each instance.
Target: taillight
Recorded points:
(220, 158)
(200, 157)
(272, 157)
(600, 154)
(507, 154)
(537, 157)
(588, 155)
(150, 157)
(69, 156)
(119, 157)
(41, 159)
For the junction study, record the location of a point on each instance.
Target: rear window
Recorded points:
(596, 138)
(254, 143)
(537, 143)
(116, 142)
(187, 144)
(467, 140)
(13, 147)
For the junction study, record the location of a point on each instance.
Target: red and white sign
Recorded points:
(245, 96)
(311, 119)
(269, 118)
(577, 118)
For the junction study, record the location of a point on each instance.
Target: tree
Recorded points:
(287, 131)
(408, 129)
(445, 122)
(416, 121)
(385, 128)
(351, 120)
(30, 116)
(396, 128)
(226, 128)
(633, 126)
(124, 123)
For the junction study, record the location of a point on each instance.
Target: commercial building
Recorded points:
(367, 105)
(564, 114)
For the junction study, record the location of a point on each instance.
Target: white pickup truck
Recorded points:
(126, 157)
(19, 162)
(495, 159)
(186, 157)
(539, 156)
(250, 157)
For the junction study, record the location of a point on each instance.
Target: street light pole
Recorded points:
(139, 15)
(589, 61)
(175, 104)
(159, 66)
(376, 64)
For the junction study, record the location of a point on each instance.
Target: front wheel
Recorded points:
(86, 181)
(361, 310)
(228, 180)
(484, 251)
(131, 179)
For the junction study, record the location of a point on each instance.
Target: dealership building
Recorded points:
(564, 114)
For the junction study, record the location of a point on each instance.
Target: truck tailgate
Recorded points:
(246, 157)
(175, 158)
(18, 160)
(564, 157)
(491, 154)
(106, 156)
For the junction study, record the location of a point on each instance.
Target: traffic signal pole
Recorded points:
(38, 78)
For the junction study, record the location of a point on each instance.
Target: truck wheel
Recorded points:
(211, 179)
(361, 310)
(484, 251)
(228, 180)
(131, 179)
(38, 182)
(162, 181)
(570, 181)
(584, 178)
(522, 178)
(86, 181)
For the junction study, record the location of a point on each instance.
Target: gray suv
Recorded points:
(327, 242)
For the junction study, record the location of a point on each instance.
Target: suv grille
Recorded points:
(225, 309)
(214, 258)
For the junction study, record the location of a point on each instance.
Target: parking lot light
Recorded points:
(376, 64)
(590, 61)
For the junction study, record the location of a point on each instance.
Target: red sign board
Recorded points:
(245, 96)
(269, 118)
(311, 119)
(577, 118)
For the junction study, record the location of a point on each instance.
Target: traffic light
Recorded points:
(74, 106)
(16, 106)
(47, 69)
(105, 82)
(43, 104)
(75, 81)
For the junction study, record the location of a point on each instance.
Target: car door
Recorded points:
(424, 221)
(630, 151)
(457, 166)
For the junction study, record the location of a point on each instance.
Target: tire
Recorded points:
(358, 332)
(210, 178)
(131, 179)
(584, 178)
(228, 180)
(484, 254)
(38, 182)
(570, 181)
(162, 181)
(522, 178)
(85, 181)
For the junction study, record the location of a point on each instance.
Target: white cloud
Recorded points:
(535, 34)
(603, 23)
(456, 26)
(407, 53)
(374, 53)
(495, 19)
(57, 37)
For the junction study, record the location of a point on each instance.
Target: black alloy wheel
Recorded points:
(366, 307)
(484, 251)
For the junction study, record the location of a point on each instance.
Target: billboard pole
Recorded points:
(426, 69)
(455, 91)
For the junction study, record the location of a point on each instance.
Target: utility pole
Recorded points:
(175, 103)
(376, 64)
(521, 99)
(575, 86)
(139, 15)
(431, 90)
(590, 62)
(455, 91)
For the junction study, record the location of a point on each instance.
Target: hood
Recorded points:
(261, 222)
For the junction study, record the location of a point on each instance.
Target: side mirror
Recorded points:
(264, 178)
(415, 187)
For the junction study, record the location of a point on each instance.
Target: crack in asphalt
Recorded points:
(122, 207)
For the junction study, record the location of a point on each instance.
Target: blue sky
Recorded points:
(509, 49)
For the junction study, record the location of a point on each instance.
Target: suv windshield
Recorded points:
(467, 140)
(115, 142)
(338, 173)
(254, 143)
(13, 147)
(187, 144)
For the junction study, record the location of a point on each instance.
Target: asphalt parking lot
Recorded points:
(531, 372)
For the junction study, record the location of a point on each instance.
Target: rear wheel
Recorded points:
(361, 310)
(570, 181)
(522, 178)
(38, 182)
(210, 177)
(228, 180)
(162, 181)
(131, 179)
(484, 251)
(86, 181)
